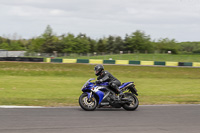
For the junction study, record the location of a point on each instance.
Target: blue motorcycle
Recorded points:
(101, 95)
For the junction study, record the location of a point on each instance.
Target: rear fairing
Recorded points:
(129, 86)
(126, 85)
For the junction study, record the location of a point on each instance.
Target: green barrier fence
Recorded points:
(57, 60)
(124, 62)
(82, 61)
(134, 62)
(108, 61)
(159, 63)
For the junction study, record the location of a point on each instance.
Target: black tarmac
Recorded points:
(146, 119)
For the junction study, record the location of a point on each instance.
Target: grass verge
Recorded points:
(43, 84)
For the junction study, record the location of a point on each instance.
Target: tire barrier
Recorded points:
(126, 62)
(24, 59)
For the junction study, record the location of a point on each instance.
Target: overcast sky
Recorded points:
(178, 19)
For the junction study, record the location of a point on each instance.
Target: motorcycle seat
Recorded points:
(125, 85)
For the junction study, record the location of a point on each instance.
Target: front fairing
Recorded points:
(88, 87)
(99, 91)
(100, 94)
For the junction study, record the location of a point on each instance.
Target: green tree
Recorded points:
(101, 45)
(50, 41)
(126, 43)
(138, 41)
(15, 45)
(4, 46)
(189, 47)
(110, 44)
(36, 44)
(82, 45)
(92, 45)
(1, 40)
(118, 44)
(166, 45)
(67, 43)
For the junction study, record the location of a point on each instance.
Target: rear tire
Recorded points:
(88, 106)
(133, 105)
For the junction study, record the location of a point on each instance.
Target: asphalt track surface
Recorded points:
(146, 119)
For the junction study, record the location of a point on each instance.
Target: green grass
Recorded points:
(46, 84)
(144, 57)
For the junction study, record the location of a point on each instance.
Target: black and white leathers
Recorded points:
(105, 76)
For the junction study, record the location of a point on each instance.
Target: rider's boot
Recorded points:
(121, 94)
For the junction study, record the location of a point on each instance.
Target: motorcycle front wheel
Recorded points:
(86, 104)
(132, 105)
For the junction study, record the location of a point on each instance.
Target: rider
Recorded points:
(105, 76)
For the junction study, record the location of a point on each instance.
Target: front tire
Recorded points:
(85, 104)
(133, 105)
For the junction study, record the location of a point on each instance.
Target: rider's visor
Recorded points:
(97, 72)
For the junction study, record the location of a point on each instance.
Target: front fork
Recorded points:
(89, 96)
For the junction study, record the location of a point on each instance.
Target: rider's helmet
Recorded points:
(98, 69)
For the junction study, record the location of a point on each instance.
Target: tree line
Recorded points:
(136, 42)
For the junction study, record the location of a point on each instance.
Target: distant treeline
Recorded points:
(138, 41)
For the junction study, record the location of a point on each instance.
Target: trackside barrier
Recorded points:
(99, 61)
(128, 62)
(185, 64)
(134, 62)
(69, 60)
(57, 60)
(108, 61)
(159, 63)
(122, 62)
(23, 59)
(82, 61)
(92, 61)
(196, 64)
(171, 63)
(147, 63)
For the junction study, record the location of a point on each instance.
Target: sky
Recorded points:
(173, 19)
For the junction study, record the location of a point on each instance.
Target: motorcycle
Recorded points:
(101, 95)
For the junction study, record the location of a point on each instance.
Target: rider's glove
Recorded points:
(98, 81)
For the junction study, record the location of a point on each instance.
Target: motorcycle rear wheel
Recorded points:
(85, 104)
(133, 105)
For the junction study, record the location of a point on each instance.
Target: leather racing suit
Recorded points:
(114, 83)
